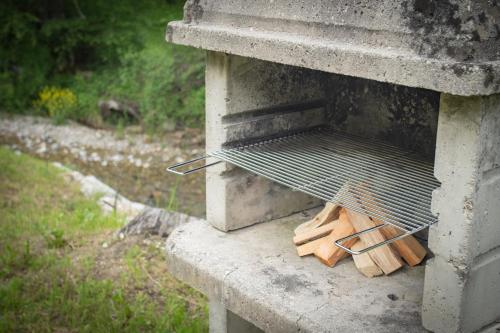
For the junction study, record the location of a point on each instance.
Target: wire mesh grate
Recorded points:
(370, 177)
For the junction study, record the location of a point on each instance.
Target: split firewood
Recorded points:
(329, 253)
(409, 248)
(328, 214)
(313, 234)
(364, 263)
(384, 256)
(309, 248)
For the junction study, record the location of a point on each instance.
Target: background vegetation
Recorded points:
(99, 50)
(56, 274)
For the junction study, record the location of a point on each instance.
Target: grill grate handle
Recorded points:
(174, 167)
(339, 242)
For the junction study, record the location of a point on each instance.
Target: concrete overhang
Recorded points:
(438, 45)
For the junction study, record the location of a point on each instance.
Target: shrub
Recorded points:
(59, 104)
(100, 50)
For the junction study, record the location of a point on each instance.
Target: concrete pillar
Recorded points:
(249, 98)
(462, 281)
(222, 320)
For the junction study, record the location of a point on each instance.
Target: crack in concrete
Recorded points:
(229, 273)
(225, 291)
(319, 307)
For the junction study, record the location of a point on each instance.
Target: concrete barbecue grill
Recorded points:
(304, 97)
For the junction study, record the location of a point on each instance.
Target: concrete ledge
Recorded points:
(386, 64)
(256, 274)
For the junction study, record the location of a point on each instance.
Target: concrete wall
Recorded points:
(462, 281)
(448, 45)
(278, 98)
(248, 99)
(406, 117)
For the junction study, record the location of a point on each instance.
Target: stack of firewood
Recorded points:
(318, 235)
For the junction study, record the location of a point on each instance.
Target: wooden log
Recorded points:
(328, 214)
(364, 263)
(409, 248)
(309, 248)
(313, 234)
(384, 256)
(327, 252)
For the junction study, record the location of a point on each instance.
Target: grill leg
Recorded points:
(462, 281)
(221, 320)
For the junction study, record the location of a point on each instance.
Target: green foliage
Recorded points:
(100, 49)
(45, 287)
(59, 104)
(55, 239)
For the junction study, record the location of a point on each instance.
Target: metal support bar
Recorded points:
(182, 173)
(369, 248)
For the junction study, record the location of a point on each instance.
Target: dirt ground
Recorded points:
(132, 163)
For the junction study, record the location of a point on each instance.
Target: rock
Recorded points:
(91, 186)
(117, 158)
(155, 221)
(121, 205)
(42, 149)
(108, 107)
(95, 157)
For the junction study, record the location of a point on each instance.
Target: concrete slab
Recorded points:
(445, 46)
(256, 274)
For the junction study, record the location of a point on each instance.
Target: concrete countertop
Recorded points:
(256, 273)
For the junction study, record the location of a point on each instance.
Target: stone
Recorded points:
(155, 221)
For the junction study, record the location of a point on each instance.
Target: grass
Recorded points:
(57, 275)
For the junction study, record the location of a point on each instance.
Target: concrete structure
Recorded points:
(235, 85)
(448, 46)
(421, 74)
(256, 274)
(462, 281)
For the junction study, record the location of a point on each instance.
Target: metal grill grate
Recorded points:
(372, 178)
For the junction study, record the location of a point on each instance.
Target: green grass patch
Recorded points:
(56, 276)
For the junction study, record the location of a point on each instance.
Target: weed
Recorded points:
(55, 239)
(173, 203)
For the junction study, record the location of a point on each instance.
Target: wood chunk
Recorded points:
(384, 256)
(364, 263)
(309, 248)
(329, 253)
(409, 248)
(314, 233)
(328, 214)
